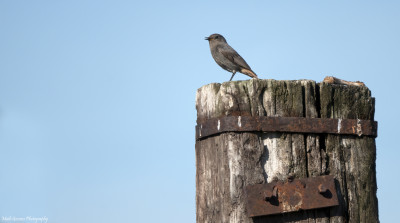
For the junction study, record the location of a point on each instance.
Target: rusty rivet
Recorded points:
(322, 189)
(269, 195)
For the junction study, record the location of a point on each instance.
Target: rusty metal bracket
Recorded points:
(293, 195)
(285, 124)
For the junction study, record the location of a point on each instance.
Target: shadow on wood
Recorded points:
(227, 162)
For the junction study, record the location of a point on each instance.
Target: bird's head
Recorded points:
(216, 38)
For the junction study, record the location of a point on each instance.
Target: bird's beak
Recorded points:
(207, 38)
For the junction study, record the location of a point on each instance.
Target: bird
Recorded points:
(227, 58)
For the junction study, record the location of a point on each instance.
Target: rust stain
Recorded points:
(241, 123)
(298, 194)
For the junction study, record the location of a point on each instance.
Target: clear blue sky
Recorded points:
(97, 98)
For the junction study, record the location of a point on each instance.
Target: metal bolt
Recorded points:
(269, 195)
(322, 189)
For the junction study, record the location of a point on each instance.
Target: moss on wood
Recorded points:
(228, 162)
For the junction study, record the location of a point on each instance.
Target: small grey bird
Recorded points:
(227, 58)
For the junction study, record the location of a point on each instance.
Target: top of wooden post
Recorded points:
(284, 98)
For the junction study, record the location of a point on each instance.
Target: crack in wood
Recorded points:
(262, 157)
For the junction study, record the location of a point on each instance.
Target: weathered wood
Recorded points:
(228, 162)
(352, 158)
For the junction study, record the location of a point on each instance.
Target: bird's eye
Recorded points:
(216, 37)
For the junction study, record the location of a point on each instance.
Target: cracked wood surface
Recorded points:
(228, 162)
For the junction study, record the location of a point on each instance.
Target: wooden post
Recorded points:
(226, 163)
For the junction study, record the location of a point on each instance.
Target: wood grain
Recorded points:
(228, 162)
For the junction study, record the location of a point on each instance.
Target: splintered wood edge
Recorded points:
(334, 80)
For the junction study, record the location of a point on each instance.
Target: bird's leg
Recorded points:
(233, 74)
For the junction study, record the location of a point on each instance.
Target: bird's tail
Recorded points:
(249, 73)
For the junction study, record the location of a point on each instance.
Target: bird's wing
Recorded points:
(230, 54)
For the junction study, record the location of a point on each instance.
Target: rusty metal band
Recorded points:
(285, 124)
